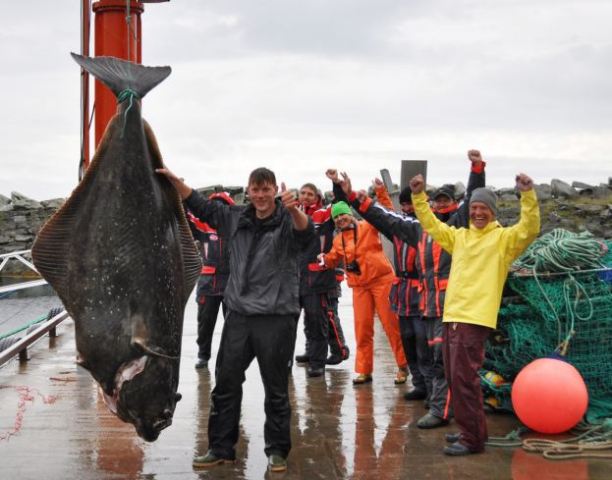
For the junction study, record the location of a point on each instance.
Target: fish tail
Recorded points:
(121, 75)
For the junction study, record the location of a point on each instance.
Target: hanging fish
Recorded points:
(120, 255)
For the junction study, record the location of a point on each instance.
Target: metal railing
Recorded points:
(20, 347)
(19, 256)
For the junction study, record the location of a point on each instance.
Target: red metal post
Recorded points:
(85, 34)
(115, 36)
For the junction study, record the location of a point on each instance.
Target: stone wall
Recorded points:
(576, 207)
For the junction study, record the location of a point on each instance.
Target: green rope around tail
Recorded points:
(124, 95)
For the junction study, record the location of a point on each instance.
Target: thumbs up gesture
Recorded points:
(288, 198)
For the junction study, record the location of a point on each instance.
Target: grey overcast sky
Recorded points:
(303, 85)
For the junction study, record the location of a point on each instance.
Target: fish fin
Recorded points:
(55, 239)
(119, 75)
(192, 263)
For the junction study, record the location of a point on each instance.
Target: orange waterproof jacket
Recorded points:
(361, 244)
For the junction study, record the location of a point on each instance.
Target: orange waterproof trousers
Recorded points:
(367, 300)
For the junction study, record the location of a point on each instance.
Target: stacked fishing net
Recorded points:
(560, 301)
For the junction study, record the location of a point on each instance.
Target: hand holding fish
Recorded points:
(181, 187)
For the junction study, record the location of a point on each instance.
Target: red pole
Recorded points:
(85, 34)
(115, 36)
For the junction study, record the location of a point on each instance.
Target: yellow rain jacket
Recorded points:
(481, 259)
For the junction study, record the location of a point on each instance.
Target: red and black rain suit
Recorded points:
(214, 252)
(405, 299)
(319, 294)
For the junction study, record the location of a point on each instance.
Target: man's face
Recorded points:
(307, 196)
(343, 220)
(480, 214)
(441, 202)
(407, 207)
(262, 197)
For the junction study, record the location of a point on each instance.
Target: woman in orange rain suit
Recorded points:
(371, 276)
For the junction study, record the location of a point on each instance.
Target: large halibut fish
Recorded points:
(120, 255)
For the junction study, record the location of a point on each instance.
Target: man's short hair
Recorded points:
(262, 175)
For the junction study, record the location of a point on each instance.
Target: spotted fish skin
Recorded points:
(120, 256)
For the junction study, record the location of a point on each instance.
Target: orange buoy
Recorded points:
(549, 395)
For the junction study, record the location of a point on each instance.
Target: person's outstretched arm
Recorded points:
(520, 235)
(439, 231)
(461, 218)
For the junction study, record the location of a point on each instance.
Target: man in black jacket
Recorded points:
(262, 298)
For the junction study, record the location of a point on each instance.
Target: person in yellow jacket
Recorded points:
(482, 255)
(370, 275)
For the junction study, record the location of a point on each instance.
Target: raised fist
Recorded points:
(523, 182)
(474, 156)
(417, 184)
(332, 174)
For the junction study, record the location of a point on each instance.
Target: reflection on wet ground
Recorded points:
(54, 425)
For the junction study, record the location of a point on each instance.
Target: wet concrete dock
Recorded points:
(54, 425)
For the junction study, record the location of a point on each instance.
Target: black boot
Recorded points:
(302, 358)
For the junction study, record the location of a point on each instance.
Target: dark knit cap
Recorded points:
(486, 196)
(405, 195)
(448, 190)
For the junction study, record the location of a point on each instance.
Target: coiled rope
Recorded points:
(592, 441)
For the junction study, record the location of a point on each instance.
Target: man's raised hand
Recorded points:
(345, 183)
(332, 174)
(417, 183)
(523, 182)
(474, 156)
(288, 198)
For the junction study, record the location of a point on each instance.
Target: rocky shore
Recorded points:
(575, 207)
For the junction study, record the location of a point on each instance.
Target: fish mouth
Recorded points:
(161, 424)
(125, 372)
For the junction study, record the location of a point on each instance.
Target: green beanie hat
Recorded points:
(340, 208)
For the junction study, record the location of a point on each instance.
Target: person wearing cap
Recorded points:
(482, 255)
(214, 252)
(433, 267)
(370, 276)
(318, 289)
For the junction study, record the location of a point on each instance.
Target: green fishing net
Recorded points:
(558, 301)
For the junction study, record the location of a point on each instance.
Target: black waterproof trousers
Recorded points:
(439, 398)
(208, 310)
(270, 339)
(322, 328)
(414, 339)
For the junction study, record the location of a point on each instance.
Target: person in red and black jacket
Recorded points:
(319, 288)
(214, 251)
(433, 265)
(405, 296)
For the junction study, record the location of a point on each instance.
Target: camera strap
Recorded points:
(354, 228)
